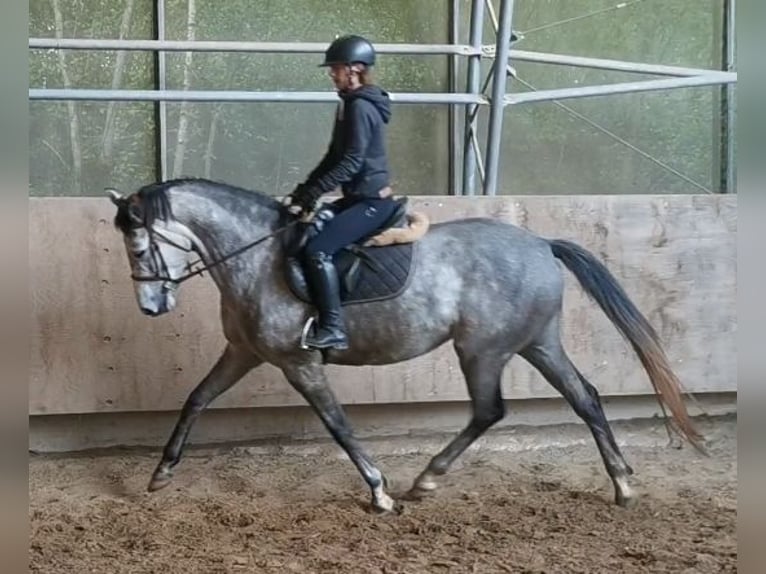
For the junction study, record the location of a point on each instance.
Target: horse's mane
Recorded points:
(155, 201)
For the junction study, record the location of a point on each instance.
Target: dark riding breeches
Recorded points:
(350, 224)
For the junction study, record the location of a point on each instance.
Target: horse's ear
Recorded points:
(116, 197)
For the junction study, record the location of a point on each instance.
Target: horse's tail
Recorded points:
(604, 289)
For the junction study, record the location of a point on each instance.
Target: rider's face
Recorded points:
(341, 76)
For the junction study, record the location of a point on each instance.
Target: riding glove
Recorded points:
(305, 196)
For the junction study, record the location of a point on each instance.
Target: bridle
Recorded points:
(170, 283)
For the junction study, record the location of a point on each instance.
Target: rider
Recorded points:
(356, 162)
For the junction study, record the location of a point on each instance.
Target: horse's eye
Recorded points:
(139, 254)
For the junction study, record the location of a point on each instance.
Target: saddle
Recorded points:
(374, 268)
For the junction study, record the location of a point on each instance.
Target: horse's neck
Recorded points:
(222, 231)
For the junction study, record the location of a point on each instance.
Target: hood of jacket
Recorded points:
(374, 94)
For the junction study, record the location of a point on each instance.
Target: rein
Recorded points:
(177, 281)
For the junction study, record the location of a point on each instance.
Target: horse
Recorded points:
(493, 289)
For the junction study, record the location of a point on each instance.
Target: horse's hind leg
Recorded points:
(548, 356)
(483, 373)
(230, 368)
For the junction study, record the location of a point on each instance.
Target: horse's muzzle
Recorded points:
(151, 312)
(157, 309)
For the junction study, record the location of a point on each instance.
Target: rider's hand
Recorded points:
(305, 197)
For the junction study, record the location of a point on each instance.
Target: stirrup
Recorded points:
(305, 333)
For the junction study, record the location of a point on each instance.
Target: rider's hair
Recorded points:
(364, 73)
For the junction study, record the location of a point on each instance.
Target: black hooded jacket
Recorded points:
(356, 158)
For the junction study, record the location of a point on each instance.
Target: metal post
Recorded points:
(497, 106)
(621, 88)
(319, 47)
(230, 46)
(473, 80)
(162, 124)
(602, 64)
(240, 96)
(454, 33)
(730, 120)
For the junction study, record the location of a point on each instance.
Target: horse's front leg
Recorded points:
(232, 365)
(311, 382)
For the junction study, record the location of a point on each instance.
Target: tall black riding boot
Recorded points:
(325, 287)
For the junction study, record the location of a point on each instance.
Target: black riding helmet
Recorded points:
(349, 50)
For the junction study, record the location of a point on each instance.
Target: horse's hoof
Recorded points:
(386, 505)
(416, 493)
(395, 509)
(159, 482)
(624, 495)
(626, 501)
(426, 483)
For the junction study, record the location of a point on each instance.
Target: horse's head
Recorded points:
(159, 248)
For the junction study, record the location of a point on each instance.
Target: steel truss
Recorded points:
(473, 98)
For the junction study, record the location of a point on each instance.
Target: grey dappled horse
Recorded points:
(492, 288)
